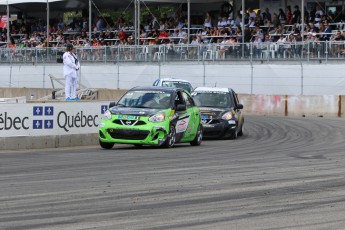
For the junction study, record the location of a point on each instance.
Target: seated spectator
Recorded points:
(215, 32)
(86, 50)
(281, 42)
(121, 35)
(96, 49)
(182, 33)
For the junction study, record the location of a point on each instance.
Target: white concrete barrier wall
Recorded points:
(323, 79)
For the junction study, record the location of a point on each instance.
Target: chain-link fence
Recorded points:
(265, 51)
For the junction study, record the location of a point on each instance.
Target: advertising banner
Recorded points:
(44, 119)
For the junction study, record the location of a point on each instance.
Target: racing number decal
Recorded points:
(181, 125)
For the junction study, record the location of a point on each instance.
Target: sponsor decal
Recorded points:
(181, 125)
(128, 117)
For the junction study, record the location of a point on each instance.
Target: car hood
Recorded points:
(134, 111)
(214, 112)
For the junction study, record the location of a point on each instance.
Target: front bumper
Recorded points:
(219, 129)
(151, 134)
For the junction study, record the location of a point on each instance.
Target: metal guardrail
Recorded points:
(266, 51)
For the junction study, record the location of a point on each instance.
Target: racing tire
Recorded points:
(170, 141)
(106, 145)
(240, 133)
(198, 137)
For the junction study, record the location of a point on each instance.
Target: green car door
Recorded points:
(190, 119)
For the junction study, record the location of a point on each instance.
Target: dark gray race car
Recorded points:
(221, 112)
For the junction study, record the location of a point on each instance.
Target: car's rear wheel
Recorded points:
(198, 137)
(106, 145)
(170, 141)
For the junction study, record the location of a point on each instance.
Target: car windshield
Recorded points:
(212, 99)
(146, 99)
(178, 84)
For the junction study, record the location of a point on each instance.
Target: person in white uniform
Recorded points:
(71, 70)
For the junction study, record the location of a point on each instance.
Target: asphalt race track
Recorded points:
(284, 173)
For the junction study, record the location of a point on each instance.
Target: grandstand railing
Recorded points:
(266, 51)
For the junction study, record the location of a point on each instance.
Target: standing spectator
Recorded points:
(71, 73)
(99, 23)
(282, 16)
(288, 15)
(208, 20)
(120, 22)
(251, 13)
(318, 14)
(275, 21)
(267, 15)
(296, 15)
(61, 24)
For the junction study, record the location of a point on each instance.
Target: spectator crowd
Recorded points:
(282, 26)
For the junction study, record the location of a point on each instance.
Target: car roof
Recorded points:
(173, 79)
(211, 89)
(155, 88)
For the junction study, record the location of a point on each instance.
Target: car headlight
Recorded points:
(159, 117)
(227, 116)
(107, 115)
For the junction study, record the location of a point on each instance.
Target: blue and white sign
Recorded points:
(104, 108)
(49, 110)
(44, 119)
(37, 124)
(38, 110)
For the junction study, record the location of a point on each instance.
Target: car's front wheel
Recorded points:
(198, 137)
(240, 133)
(170, 141)
(106, 145)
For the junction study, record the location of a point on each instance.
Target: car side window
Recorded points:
(189, 101)
(234, 98)
(156, 83)
(179, 99)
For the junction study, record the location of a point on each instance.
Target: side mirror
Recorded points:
(180, 108)
(112, 104)
(239, 106)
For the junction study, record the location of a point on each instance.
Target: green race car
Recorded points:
(160, 116)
